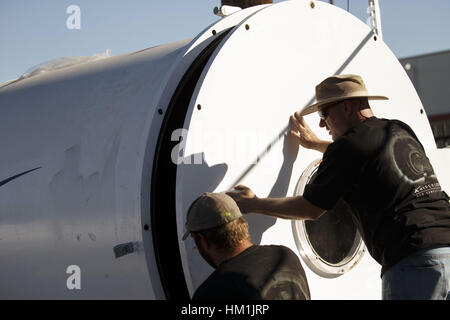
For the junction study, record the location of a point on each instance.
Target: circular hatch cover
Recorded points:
(332, 244)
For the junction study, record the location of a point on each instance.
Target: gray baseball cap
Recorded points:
(211, 210)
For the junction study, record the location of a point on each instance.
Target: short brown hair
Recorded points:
(229, 235)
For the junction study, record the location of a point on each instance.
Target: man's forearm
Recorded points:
(322, 145)
(297, 208)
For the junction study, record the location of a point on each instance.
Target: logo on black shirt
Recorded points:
(427, 189)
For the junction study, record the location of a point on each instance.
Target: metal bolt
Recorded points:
(312, 4)
(247, 27)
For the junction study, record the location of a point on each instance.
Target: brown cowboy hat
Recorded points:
(337, 88)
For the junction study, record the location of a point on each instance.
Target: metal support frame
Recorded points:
(375, 18)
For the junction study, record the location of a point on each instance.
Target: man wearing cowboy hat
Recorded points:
(380, 169)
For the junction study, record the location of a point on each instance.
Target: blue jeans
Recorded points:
(424, 275)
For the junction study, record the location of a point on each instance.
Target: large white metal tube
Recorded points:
(85, 128)
(93, 172)
(91, 131)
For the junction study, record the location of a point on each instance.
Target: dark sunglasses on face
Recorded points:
(323, 113)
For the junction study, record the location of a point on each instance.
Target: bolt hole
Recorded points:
(214, 32)
(247, 27)
(146, 228)
(160, 111)
(312, 4)
(421, 111)
(375, 38)
(199, 107)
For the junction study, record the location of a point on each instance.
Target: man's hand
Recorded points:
(305, 136)
(290, 144)
(244, 198)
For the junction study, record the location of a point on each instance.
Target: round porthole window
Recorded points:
(330, 245)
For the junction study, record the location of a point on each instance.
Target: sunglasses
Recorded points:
(323, 113)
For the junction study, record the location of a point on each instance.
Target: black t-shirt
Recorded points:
(380, 169)
(259, 272)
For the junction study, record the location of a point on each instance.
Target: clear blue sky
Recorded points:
(34, 31)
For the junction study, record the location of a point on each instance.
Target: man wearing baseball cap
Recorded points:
(242, 270)
(379, 167)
